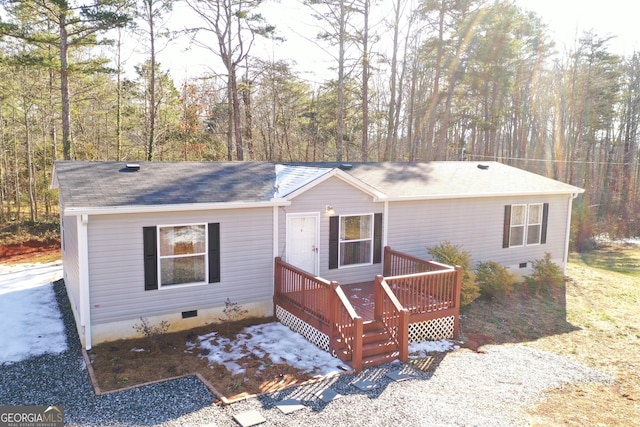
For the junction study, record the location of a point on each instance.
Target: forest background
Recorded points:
(416, 81)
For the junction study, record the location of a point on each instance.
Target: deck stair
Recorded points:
(378, 346)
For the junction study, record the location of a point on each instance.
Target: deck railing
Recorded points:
(304, 291)
(427, 289)
(411, 291)
(400, 264)
(323, 305)
(393, 316)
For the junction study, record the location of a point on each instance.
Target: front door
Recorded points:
(302, 241)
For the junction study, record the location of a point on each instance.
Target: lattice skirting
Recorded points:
(432, 330)
(294, 323)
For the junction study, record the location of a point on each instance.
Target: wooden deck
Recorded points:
(369, 323)
(361, 296)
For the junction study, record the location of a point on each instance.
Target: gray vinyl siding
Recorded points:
(345, 200)
(474, 224)
(70, 258)
(117, 274)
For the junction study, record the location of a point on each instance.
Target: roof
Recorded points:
(112, 186)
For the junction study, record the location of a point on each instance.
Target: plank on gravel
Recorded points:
(249, 418)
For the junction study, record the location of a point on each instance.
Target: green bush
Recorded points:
(450, 254)
(546, 276)
(494, 280)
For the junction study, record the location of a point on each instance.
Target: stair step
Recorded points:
(379, 347)
(379, 359)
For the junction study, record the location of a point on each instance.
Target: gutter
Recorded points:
(574, 193)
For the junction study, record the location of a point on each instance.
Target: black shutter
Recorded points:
(377, 238)
(150, 258)
(507, 226)
(334, 240)
(214, 252)
(545, 219)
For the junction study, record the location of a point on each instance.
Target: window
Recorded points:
(181, 254)
(534, 224)
(525, 225)
(355, 240)
(516, 237)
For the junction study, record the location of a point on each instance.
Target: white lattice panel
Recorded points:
(294, 323)
(432, 330)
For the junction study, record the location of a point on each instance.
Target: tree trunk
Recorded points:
(64, 87)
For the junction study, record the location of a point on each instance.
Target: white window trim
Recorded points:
(206, 256)
(340, 241)
(525, 233)
(539, 224)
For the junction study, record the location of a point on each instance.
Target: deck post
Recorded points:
(356, 357)
(386, 267)
(378, 308)
(403, 335)
(332, 313)
(457, 290)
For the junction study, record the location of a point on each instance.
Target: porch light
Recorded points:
(329, 209)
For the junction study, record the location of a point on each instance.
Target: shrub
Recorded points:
(156, 334)
(448, 253)
(546, 276)
(494, 280)
(233, 312)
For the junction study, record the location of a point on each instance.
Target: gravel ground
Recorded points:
(493, 388)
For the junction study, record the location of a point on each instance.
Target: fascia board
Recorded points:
(186, 207)
(482, 195)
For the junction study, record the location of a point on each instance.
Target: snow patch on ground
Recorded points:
(274, 340)
(30, 322)
(422, 349)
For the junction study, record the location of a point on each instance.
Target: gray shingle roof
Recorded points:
(105, 184)
(110, 184)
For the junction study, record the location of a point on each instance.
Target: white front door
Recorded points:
(302, 241)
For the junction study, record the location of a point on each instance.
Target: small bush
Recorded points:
(233, 312)
(154, 333)
(546, 276)
(494, 280)
(450, 254)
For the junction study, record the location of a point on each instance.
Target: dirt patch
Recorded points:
(30, 251)
(127, 363)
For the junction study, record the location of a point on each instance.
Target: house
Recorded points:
(175, 241)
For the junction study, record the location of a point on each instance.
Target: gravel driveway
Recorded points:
(493, 388)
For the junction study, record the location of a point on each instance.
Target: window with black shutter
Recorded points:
(181, 254)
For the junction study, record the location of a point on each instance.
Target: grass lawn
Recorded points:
(595, 320)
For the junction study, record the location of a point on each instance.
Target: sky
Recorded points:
(566, 19)
(31, 325)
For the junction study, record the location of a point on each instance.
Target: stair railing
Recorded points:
(347, 326)
(393, 316)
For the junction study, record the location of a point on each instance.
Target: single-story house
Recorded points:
(175, 241)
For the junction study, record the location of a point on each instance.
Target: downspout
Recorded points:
(275, 226)
(83, 266)
(568, 234)
(385, 223)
